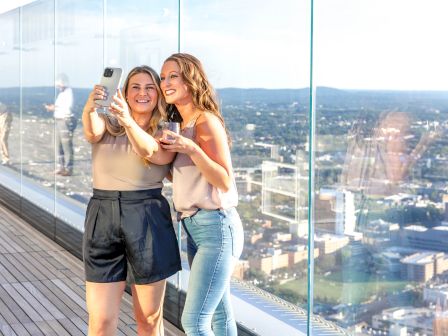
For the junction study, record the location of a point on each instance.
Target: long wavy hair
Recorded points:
(202, 92)
(159, 111)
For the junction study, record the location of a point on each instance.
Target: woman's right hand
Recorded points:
(98, 93)
(177, 143)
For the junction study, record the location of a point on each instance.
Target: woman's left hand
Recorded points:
(177, 143)
(120, 110)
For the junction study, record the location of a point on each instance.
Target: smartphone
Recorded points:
(110, 80)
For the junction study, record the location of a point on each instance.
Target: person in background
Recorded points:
(128, 221)
(204, 195)
(5, 127)
(65, 125)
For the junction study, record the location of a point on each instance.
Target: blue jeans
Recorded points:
(64, 136)
(214, 244)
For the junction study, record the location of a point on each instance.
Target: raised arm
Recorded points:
(142, 143)
(94, 126)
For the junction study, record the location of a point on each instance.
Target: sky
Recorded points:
(6, 5)
(358, 44)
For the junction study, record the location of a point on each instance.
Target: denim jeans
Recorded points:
(214, 243)
(64, 135)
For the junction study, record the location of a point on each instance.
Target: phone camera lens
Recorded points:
(108, 72)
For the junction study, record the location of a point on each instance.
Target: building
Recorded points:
(380, 233)
(411, 320)
(423, 266)
(269, 263)
(342, 205)
(420, 237)
(436, 294)
(284, 194)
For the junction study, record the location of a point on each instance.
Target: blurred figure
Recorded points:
(65, 125)
(5, 126)
(379, 159)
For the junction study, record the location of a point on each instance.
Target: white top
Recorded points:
(64, 104)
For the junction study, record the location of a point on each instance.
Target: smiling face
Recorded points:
(141, 93)
(173, 86)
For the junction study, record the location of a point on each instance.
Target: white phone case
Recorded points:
(110, 79)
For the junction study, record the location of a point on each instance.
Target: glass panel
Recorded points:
(38, 95)
(10, 155)
(138, 34)
(10, 91)
(79, 63)
(381, 166)
(259, 63)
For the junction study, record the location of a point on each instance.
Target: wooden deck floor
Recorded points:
(42, 289)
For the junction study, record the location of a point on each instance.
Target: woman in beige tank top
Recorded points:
(204, 195)
(128, 221)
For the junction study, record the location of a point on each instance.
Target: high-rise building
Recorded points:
(285, 194)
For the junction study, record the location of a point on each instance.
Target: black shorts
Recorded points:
(129, 227)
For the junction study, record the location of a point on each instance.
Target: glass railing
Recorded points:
(375, 226)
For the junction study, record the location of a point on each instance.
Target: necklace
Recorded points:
(194, 116)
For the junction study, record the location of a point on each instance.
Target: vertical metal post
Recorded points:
(312, 128)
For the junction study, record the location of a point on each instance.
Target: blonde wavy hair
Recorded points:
(158, 113)
(202, 92)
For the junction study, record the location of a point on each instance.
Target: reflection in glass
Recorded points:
(10, 92)
(261, 79)
(38, 159)
(78, 64)
(5, 128)
(380, 170)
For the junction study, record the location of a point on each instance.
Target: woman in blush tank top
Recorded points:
(204, 195)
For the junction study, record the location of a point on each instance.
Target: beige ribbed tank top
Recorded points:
(115, 166)
(191, 191)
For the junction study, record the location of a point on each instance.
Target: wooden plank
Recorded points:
(33, 329)
(55, 300)
(6, 276)
(32, 302)
(69, 261)
(56, 264)
(125, 329)
(58, 328)
(6, 245)
(18, 276)
(10, 310)
(42, 300)
(70, 293)
(79, 311)
(7, 330)
(15, 241)
(71, 328)
(3, 249)
(81, 324)
(51, 270)
(20, 330)
(45, 328)
(18, 259)
(19, 225)
(33, 315)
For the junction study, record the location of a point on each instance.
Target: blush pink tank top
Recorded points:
(191, 191)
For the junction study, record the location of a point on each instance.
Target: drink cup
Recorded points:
(171, 126)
